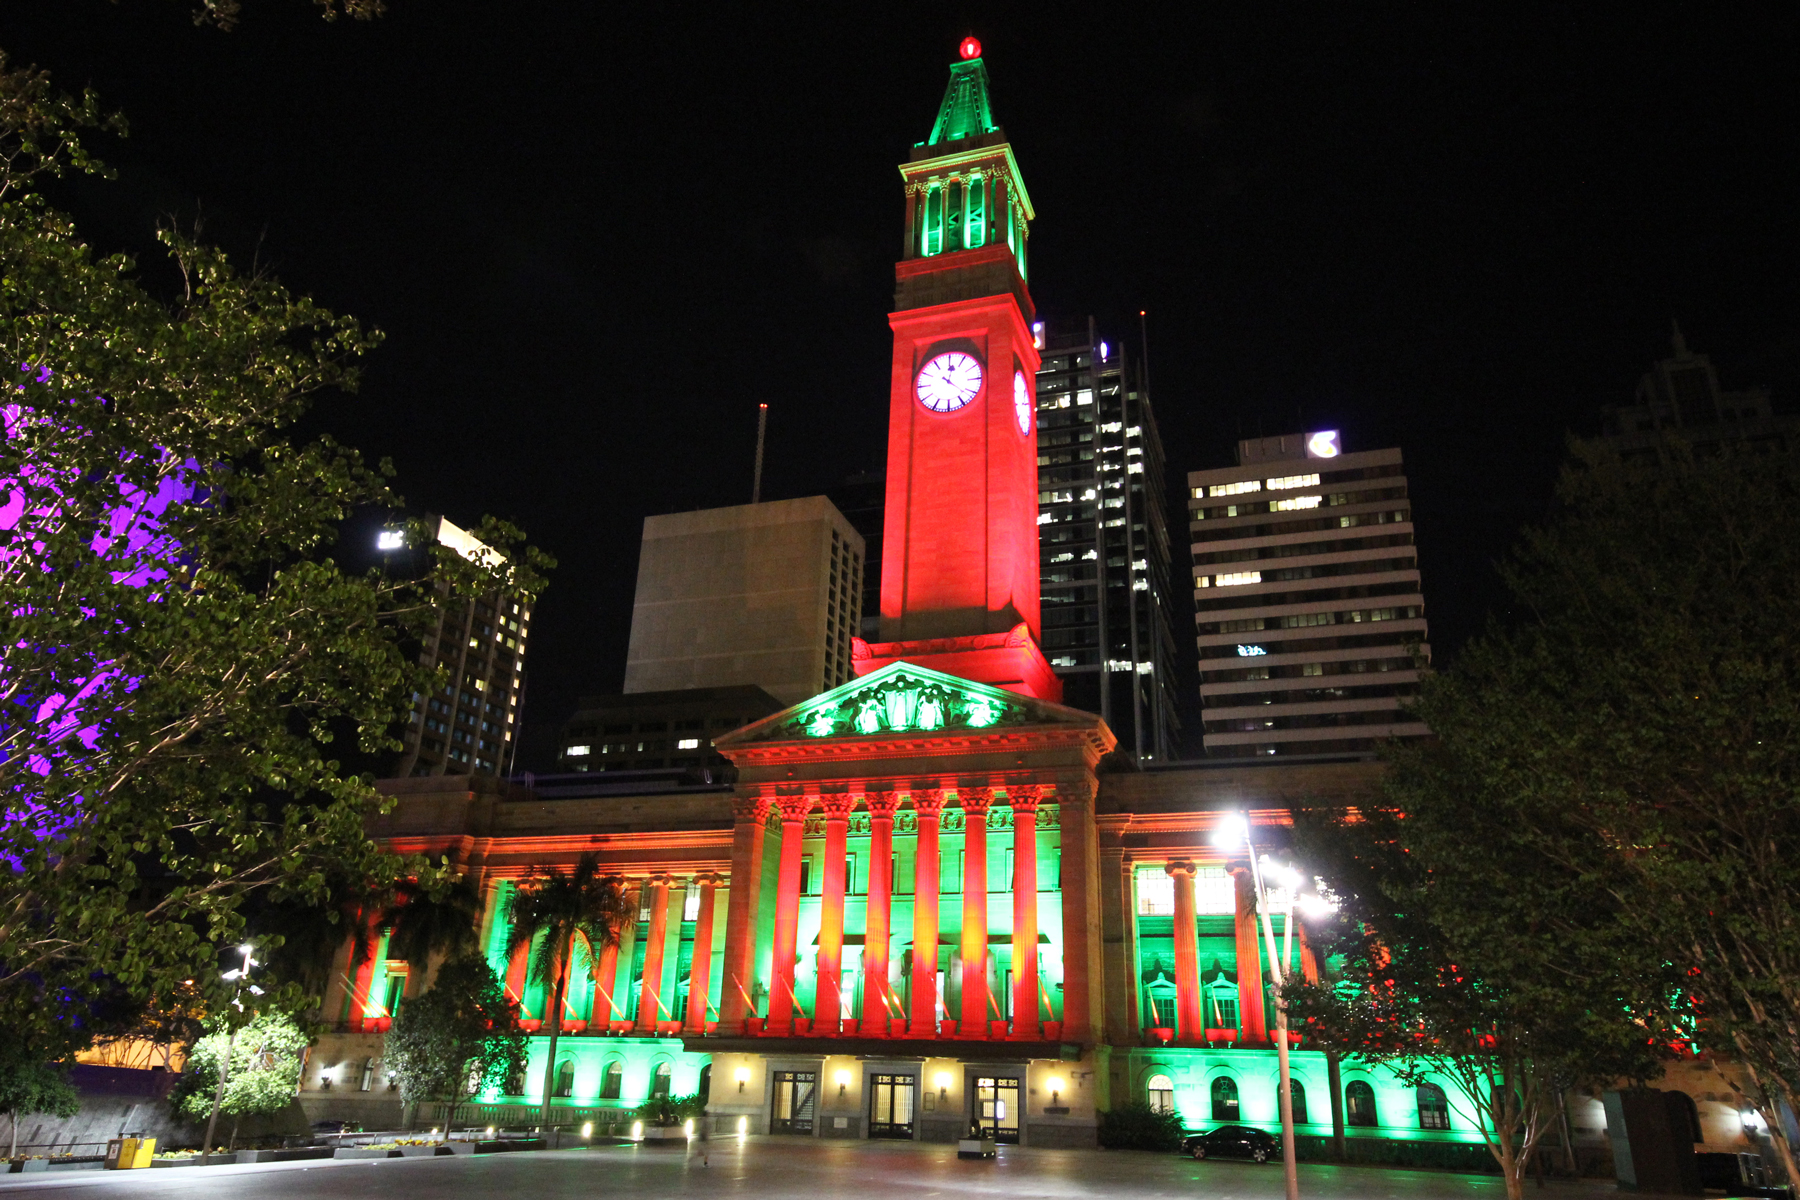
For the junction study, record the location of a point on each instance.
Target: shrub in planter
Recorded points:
(1136, 1126)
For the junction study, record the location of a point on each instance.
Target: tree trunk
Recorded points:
(232, 1144)
(555, 1032)
(1334, 1077)
(14, 1152)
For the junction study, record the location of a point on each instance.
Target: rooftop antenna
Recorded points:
(1144, 337)
(762, 426)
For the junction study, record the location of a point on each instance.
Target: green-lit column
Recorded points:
(928, 804)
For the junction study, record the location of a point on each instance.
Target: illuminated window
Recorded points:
(690, 905)
(932, 236)
(1224, 1099)
(1297, 1101)
(1434, 1107)
(1294, 504)
(579, 751)
(1215, 894)
(1162, 1093)
(1234, 489)
(1156, 892)
(612, 1083)
(1293, 481)
(1359, 1104)
(688, 744)
(1237, 578)
(389, 539)
(975, 227)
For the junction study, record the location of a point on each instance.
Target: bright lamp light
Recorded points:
(1232, 832)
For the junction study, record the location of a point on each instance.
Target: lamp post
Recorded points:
(241, 977)
(1234, 834)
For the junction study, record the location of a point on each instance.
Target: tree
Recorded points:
(185, 665)
(1460, 954)
(565, 913)
(31, 1083)
(1637, 720)
(458, 1039)
(265, 1057)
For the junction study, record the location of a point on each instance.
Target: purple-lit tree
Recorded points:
(183, 664)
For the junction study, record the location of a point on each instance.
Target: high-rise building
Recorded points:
(1103, 538)
(1306, 598)
(470, 722)
(764, 594)
(1680, 396)
(658, 731)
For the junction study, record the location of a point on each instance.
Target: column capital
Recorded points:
(881, 804)
(928, 802)
(660, 879)
(976, 800)
(749, 809)
(1025, 797)
(706, 879)
(837, 806)
(1180, 867)
(794, 808)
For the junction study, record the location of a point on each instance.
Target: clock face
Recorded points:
(949, 381)
(1022, 402)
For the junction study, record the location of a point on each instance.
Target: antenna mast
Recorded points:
(762, 425)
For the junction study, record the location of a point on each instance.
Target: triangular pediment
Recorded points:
(904, 698)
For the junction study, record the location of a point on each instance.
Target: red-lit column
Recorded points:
(605, 980)
(1309, 962)
(878, 924)
(365, 975)
(927, 804)
(650, 992)
(1249, 961)
(787, 913)
(700, 967)
(1024, 801)
(751, 821)
(974, 1021)
(515, 976)
(828, 980)
(1188, 1026)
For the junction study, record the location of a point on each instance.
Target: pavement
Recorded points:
(777, 1168)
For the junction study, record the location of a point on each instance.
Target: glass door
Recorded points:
(795, 1094)
(997, 1108)
(891, 1106)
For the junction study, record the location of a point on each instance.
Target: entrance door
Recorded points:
(891, 1106)
(997, 1108)
(795, 1093)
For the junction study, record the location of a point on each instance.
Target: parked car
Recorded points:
(1232, 1141)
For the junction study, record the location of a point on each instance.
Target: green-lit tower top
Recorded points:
(964, 193)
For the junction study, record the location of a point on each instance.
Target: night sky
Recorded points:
(597, 237)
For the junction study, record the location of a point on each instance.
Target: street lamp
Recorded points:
(241, 977)
(1233, 834)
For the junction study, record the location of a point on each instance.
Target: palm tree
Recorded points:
(578, 912)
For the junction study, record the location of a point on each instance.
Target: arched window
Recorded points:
(1359, 1104)
(565, 1078)
(1297, 1100)
(659, 1083)
(1690, 1112)
(1434, 1107)
(1162, 1093)
(613, 1082)
(1224, 1099)
(706, 1081)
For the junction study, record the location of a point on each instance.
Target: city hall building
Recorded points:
(920, 903)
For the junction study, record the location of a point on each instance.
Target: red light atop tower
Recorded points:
(970, 48)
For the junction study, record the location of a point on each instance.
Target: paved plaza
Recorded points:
(776, 1168)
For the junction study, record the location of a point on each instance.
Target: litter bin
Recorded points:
(125, 1154)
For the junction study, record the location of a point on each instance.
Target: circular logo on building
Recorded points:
(1022, 402)
(949, 381)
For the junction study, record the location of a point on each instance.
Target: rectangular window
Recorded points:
(687, 744)
(579, 751)
(806, 876)
(1215, 894)
(690, 905)
(1155, 892)
(1294, 504)
(1237, 578)
(1293, 481)
(1232, 489)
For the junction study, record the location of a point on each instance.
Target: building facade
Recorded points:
(659, 731)
(1103, 539)
(1680, 397)
(470, 723)
(1307, 603)
(768, 595)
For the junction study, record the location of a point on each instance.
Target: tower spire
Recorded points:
(965, 112)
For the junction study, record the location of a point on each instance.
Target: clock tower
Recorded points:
(959, 571)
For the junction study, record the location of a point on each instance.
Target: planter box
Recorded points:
(1053, 1031)
(363, 1152)
(30, 1166)
(194, 1161)
(664, 1135)
(975, 1148)
(418, 1151)
(1162, 1036)
(458, 1147)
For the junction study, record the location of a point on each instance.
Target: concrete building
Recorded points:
(1103, 538)
(767, 595)
(470, 723)
(1679, 397)
(658, 731)
(1306, 598)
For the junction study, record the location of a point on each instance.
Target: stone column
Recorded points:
(974, 1020)
(1249, 962)
(828, 979)
(1024, 801)
(700, 966)
(878, 924)
(628, 936)
(361, 1002)
(787, 913)
(928, 803)
(606, 977)
(650, 993)
(518, 959)
(1081, 912)
(1189, 1028)
(749, 815)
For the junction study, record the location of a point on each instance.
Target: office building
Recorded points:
(1306, 598)
(1103, 538)
(767, 595)
(470, 721)
(1679, 397)
(659, 731)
